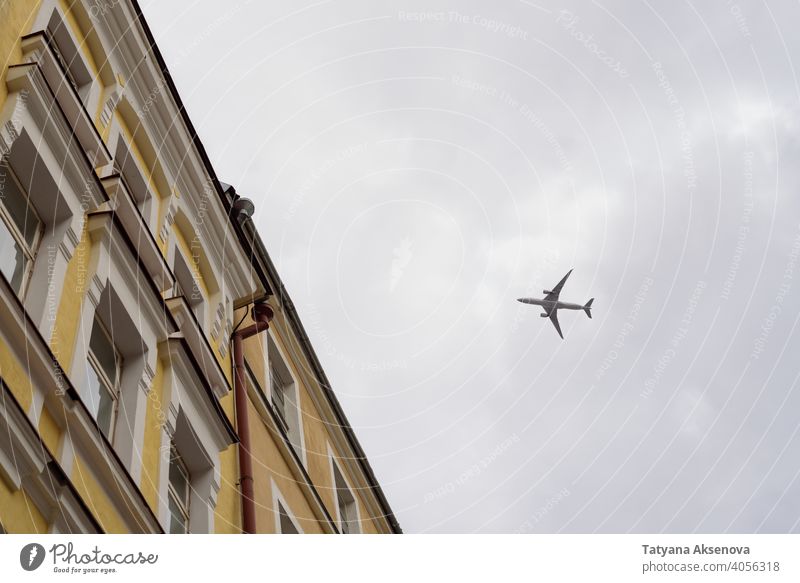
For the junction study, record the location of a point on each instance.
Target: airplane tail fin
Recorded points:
(588, 308)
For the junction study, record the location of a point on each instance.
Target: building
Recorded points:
(154, 374)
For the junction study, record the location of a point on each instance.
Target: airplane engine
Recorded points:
(543, 316)
(546, 292)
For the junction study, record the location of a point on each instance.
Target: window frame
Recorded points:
(278, 403)
(30, 251)
(68, 74)
(267, 394)
(353, 522)
(61, 39)
(271, 350)
(196, 297)
(278, 503)
(113, 388)
(184, 506)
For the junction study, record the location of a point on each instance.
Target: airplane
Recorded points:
(551, 304)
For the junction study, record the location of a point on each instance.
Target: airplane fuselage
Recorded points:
(549, 305)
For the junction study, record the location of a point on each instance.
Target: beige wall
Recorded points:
(269, 462)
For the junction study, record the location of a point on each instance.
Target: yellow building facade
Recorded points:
(154, 374)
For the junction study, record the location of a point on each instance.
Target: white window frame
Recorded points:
(142, 336)
(335, 466)
(279, 501)
(30, 251)
(198, 305)
(272, 349)
(278, 403)
(60, 33)
(183, 503)
(111, 386)
(193, 425)
(144, 197)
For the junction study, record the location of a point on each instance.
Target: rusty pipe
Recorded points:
(262, 314)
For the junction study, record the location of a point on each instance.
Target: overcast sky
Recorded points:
(417, 166)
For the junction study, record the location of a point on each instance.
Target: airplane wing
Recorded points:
(553, 295)
(554, 320)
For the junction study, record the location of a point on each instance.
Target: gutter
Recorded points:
(262, 314)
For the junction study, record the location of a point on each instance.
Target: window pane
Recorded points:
(178, 478)
(13, 261)
(105, 412)
(278, 390)
(103, 351)
(344, 515)
(99, 399)
(94, 387)
(16, 203)
(287, 526)
(177, 523)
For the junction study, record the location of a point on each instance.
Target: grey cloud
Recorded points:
(496, 149)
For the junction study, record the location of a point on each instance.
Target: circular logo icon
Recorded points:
(31, 556)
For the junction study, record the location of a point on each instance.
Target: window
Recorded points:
(279, 388)
(103, 378)
(186, 285)
(20, 231)
(63, 62)
(345, 502)
(125, 163)
(179, 493)
(69, 56)
(285, 523)
(284, 397)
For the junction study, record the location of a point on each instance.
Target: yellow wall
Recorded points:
(267, 454)
(49, 431)
(144, 150)
(18, 514)
(16, 18)
(269, 463)
(15, 376)
(96, 499)
(316, 439)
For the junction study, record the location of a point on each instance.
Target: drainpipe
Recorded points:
(262, 314)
